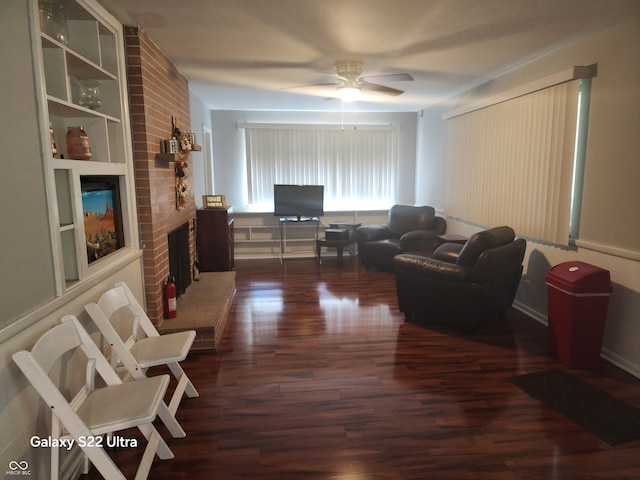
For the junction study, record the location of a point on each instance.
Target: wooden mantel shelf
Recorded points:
(174, 157)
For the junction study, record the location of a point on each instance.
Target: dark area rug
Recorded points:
(609, 418)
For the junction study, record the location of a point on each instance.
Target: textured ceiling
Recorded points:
(249, 54)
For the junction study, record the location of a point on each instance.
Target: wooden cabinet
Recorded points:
(215, 239)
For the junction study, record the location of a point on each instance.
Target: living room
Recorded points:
(608, 233)
(35, 297)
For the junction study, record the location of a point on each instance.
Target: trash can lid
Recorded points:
(579, 278)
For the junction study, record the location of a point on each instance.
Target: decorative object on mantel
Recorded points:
(170, 146)
(182, 185)
(78, 147)
(180, 144)
(184, 148)
(177, 149)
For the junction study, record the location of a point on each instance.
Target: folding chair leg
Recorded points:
(169, 420)
(177, 394)
(103, 463)
(161, 447)
(147, 458)
(86, 465)
(55, 452)
(177, 371)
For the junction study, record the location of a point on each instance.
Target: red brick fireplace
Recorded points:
(157, 92)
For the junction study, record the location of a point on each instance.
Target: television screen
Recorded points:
(298, 200)
(101, 212)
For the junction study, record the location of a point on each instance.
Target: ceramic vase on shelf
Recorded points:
(78, 147)
(53, 21)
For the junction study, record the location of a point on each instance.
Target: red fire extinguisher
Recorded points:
(170, 298)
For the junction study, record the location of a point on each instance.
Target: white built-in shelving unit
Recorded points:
(257, 234)
(94, 52)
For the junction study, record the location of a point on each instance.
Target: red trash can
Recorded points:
(578, 299)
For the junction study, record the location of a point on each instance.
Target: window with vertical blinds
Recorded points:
(511, 163)
(356, 166)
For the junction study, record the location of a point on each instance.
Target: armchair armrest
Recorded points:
(448, 252)
(430, 267)
(369, 233)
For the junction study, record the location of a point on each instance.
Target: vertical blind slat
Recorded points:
(512, 163)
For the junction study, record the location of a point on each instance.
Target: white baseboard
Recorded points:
(608, 355)
(531, 312)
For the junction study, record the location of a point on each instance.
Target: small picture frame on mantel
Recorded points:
(214, 201)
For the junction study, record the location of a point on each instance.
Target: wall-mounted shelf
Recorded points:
(167, 157)
(174, 157)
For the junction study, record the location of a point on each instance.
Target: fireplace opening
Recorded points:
(179, 262)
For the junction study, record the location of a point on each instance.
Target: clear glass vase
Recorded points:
(90, 96)
(53, 21)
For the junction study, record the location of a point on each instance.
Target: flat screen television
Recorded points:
(298, 200)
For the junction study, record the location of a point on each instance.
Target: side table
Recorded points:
(337, 244)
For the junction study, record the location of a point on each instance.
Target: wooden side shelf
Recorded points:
(174, 157)
(166, 157)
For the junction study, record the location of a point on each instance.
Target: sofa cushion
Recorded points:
(387, 247)
(448, 252)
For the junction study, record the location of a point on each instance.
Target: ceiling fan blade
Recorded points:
(382, 89)
(392, 77)
(332, 84)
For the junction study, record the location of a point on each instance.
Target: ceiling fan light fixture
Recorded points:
(348, 93)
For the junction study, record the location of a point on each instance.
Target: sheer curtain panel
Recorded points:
(356, 166)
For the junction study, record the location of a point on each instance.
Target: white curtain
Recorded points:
(356, 166)
(512, 163)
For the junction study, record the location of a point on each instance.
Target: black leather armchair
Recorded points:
(462, 285)
(409, 229)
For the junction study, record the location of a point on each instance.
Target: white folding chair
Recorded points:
(92, 412)
(142, 349)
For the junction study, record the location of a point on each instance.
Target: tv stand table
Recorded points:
(284, 221)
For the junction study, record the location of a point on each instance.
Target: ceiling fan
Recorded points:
(352, 81)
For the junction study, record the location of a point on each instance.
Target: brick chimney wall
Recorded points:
(157, 92)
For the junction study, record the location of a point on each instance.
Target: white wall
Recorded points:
(200, 116)
(25, 243)
(431, 165)
(610, 223)
(229, 146)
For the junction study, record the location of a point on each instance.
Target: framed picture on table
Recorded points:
(214, 201)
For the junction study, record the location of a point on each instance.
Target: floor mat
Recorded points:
(609, 418)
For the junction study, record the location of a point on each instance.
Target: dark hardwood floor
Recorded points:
(319, 377)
